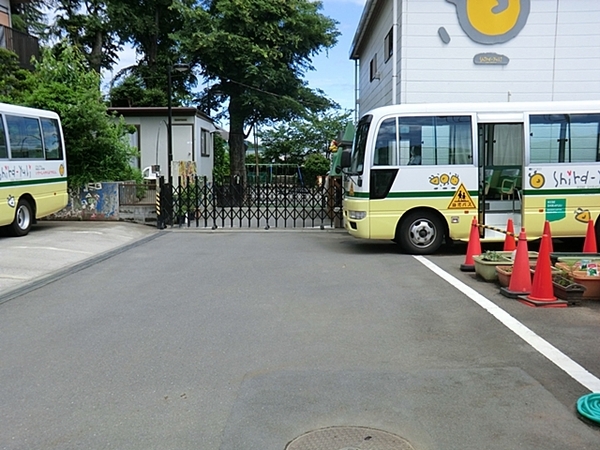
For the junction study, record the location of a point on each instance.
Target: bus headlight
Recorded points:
(357, 215)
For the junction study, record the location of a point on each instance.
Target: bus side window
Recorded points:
(385, 153)
(3, 148)
(52, 141)
(25, 137)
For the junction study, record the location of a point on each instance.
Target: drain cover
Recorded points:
(349, 438)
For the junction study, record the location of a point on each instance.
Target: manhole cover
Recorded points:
(349, 438)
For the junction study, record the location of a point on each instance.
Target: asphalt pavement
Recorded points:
(119, 336)
(53, 249)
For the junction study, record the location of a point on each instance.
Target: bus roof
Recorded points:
(16, 109)
(499, 107)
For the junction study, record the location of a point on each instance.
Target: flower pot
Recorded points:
(591, 284)
(487, 269)
(566, 289)
(572, 256)
(503, 273)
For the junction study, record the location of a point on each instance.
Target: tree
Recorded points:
(293, 141)
(28, 17)
(87, 25)
(95, 143)
(255, 53)
(131, 92)
(150, 25)
(316, 165)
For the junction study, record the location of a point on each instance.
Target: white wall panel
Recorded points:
(555, 56)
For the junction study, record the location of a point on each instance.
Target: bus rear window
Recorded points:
(3, 148)
(52, 141)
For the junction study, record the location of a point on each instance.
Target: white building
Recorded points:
(421, 51)
(192, 137)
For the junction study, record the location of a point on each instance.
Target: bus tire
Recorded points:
(420, 233)
(23, 219)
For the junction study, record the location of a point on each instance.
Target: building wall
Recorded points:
(555, 56)
(377, 92)
(152, 138)
(5, 13)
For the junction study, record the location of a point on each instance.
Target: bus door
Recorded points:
(501, 148)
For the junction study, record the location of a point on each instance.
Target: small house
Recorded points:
(192, 138)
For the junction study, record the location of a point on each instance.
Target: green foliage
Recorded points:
(13, 79)
(87, 25)
(28, 17)
(221, 161)
(315, 165)
(256, 52)
(96, 144)
(131, 92)
(292, 141)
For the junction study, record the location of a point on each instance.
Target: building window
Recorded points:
(373, 74)
(134, 141)
(204, 139)
(388, 45)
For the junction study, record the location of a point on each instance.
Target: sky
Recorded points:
(334, 71)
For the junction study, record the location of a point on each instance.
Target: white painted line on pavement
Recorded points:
(577, 372)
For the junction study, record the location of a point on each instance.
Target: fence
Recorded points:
(195, 202)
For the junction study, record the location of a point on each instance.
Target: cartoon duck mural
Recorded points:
(492, 21)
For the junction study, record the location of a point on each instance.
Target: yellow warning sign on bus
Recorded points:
(462, 199)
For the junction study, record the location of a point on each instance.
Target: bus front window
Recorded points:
(360, 146)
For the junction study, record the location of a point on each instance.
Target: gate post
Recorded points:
(159, 216)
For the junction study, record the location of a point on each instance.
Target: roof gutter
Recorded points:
(365, 18)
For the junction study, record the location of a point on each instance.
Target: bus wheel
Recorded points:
(420, 233)
(23, 219)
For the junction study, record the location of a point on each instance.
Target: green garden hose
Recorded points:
(589, 406)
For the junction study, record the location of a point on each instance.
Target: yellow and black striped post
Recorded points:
(499, 230)
(160, 223)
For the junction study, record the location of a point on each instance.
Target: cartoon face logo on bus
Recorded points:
(536, 180)
(444, 180)
(492, 21)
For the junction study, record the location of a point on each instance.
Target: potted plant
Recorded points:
(485, 264)
(566, 289)
(590, 280)
(504, 273)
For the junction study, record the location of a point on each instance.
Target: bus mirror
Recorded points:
(346, 159)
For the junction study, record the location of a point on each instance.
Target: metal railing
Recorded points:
(195, 202)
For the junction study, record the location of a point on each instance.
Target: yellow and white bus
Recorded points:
(33, 168)
(419, 173)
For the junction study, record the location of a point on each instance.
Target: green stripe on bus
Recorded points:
(574, 191)
(30, 182)
(414, 194)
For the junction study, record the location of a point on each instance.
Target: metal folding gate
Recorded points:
(194, 202)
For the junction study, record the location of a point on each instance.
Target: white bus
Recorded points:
(419, 173)
(33, 169)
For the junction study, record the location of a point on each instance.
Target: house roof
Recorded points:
(359, 35)
(152, 111)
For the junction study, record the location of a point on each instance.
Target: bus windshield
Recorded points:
(360, 146)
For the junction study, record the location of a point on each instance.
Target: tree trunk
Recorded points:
(237, 150)
(96, 53)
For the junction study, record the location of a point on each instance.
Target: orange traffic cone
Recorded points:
(547, 231)
(589, 245)
(509, 240)
(542, 291)
(473, 248)
(520, 280)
